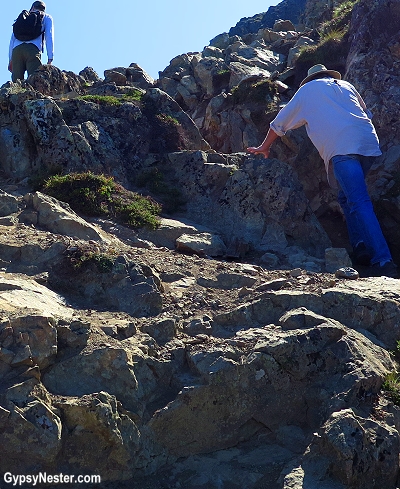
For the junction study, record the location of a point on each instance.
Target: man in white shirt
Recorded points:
(338, 123)
(26, 55)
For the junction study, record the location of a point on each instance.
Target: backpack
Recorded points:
(28, 26)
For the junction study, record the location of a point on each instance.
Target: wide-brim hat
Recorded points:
(318, 70)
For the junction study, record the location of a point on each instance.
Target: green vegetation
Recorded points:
(87, 255)
(99, 195)
(167, 119)
(340, 20)
(332, 47)
(103, 262)
(166, 132)
(114, 100)
(392, 387)
(331, 50)
(344, 9)
(260, 91)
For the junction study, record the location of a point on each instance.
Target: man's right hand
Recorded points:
(265, 146)
(259, 151)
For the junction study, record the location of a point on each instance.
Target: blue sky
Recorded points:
(105, 35)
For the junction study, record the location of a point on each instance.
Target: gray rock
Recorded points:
(283, 25)
(59, 218)
(336, 258)
(8, 204)
(202, 244)
(162, 331)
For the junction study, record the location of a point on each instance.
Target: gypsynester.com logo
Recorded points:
(20, 480)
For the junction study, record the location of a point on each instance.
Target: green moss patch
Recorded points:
(113, 100)
(99, 195)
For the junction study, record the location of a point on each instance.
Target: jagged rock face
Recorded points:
(202, 84)
(374, 39)
(241, 200)
(288, 9)
(263, 205)
(45, 133)
(49, 80)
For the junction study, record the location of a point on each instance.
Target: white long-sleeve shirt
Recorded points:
(48, 39)
(334, 118)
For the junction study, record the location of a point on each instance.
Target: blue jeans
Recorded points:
(353, 197)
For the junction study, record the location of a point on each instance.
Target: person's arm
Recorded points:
(265, 146)
(289, 117)
(49, 38)
(10, 50)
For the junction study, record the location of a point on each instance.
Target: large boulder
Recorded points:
(249, 201)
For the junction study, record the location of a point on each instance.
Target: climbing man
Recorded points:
(339, 125)
(31, 31)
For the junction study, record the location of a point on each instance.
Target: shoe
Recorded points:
(389, 269)
(360, 255)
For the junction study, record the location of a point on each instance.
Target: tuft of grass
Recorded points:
(86, 255)
(392, 387)
(103, 262)
(86, 193)
(333, 35)
(344, 9)
(391, 384)
(113, 100)
(331, 51)
(167, 119)
(332, 48)
(137, 211)
(99, 195)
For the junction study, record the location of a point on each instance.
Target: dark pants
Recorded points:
(25, 57)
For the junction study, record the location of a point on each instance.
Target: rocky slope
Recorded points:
(220, 350)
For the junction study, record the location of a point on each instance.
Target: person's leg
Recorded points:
(18, 63)
(353, 228)
(33, 58)
(360, 254)
(362, 221)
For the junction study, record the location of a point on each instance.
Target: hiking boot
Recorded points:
(389, 269)
(360, 255)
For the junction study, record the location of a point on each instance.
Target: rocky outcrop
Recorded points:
(57, 217)
(287, 9)
(241, 199)
(246, 200)
(46, 134)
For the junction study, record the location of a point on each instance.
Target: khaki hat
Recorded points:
(317, 70)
